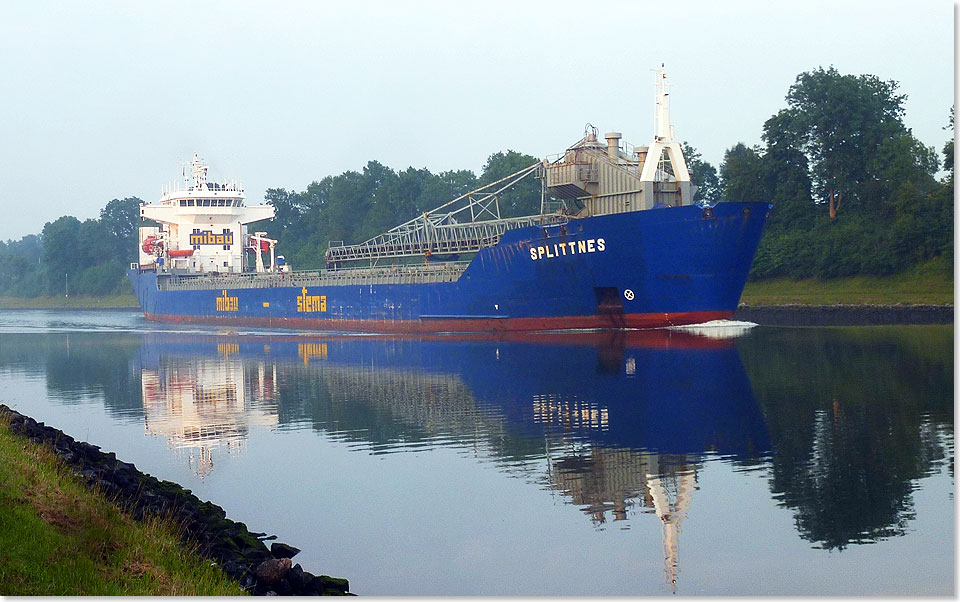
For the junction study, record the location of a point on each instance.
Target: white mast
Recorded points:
(662, 130)
(199, 174)
(663, 141)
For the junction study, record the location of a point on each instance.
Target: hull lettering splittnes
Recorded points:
(568, 248)
(619, 243)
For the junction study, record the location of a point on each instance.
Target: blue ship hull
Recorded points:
(642, 269)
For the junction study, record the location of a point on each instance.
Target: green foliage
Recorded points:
(703, 175)
(741, 175)
(356, 206)
(845, 134)
(90, 256)
(121, 218)
(838, 122)
(522, 199)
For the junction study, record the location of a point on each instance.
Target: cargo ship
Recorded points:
(620, 242)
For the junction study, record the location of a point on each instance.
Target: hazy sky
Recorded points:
(105, 100)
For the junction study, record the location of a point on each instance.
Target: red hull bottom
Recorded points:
(606, 322)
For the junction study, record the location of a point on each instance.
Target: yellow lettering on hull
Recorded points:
(311, 303)
(227, 303)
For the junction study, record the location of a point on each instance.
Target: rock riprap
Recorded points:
(240, 552)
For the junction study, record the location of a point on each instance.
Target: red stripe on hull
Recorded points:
(606, 322)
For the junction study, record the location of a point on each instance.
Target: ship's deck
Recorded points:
(449, 271)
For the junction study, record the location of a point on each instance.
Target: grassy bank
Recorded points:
(928, 283)
(61, 539)
(75, 302)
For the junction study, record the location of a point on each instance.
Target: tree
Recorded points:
(446, 186)
(409, 191)
(741, 174)
(838, 122)
(61, 242)
(786, 173)
(121, 218)
(345, 205)
(381, 192)
(948, 150)
(703, 175)
(288, 211)
(524, 197)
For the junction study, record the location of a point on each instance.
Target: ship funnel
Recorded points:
(613, 144)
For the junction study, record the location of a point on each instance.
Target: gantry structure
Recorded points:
(466, 224)
(588, 179)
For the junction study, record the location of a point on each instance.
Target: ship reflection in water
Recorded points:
(618, 423)
(204, 403)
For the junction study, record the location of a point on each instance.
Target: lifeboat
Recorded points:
(151, 245)
(180, 253)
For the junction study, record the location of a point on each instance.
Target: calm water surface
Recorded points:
(715, 461)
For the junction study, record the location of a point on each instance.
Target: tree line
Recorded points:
(853, 191)
(86, 258)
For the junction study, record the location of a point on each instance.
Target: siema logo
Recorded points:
(311, 303)
(560, 249)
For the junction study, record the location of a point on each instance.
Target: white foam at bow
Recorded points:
(717, 329)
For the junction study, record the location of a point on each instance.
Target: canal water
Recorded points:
(723, 460)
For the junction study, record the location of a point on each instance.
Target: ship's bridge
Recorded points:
(202, 226)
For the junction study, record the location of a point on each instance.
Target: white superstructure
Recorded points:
(202, 227)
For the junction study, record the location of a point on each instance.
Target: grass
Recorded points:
(928, 283)
(60, 538)
(75, 302)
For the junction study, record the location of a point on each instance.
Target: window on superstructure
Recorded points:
(183, 203)
(190, 203)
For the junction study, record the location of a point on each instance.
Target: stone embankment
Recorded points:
(243, 555)
(844, 315)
